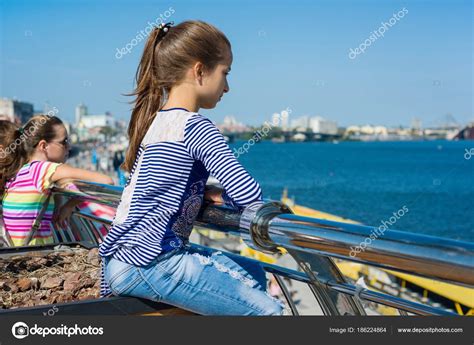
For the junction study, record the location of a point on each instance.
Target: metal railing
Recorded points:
(312, 243)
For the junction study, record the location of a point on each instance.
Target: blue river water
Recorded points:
(369, 181)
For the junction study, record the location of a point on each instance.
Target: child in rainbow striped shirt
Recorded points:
(31, 160)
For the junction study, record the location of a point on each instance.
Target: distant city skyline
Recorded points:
(286, 55)
(20, 111)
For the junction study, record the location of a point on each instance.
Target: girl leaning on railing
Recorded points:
(31, 159)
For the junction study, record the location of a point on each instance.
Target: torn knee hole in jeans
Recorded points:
(206, 260)
(286, 310)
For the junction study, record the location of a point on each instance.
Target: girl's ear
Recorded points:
(42, 145)
(198, 71)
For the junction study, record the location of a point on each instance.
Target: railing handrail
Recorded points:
(423, 255)
(364, 294)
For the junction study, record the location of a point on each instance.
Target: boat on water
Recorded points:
(402, 273)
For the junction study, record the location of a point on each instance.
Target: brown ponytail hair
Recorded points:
(17, 144)
(164, 62)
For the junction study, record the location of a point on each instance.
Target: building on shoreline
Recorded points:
(90, 126)
(15, 111)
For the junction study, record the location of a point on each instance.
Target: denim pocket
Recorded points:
(121, 277)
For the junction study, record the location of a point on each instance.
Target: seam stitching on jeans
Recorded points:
(148, 283)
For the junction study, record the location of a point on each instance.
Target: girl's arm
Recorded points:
(65, 171)
(204, 142)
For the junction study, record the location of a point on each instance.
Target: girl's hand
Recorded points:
(213, 194)
(62, 215)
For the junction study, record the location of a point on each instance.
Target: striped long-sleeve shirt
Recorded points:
(165, 189)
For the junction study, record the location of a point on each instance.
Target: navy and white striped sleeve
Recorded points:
(204, 142)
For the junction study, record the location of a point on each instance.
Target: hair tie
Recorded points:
(162, 31)
(164, 28)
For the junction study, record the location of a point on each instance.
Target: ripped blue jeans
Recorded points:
(197, 279)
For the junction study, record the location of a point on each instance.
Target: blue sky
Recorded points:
(286, 54)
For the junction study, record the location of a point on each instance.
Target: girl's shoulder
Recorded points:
(35, 173)
(196, 117)
(199, 122)
(181, 115)
(40, 167)
(170, 125)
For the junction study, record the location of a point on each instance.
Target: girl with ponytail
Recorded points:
(31, 159)
(173, 150)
